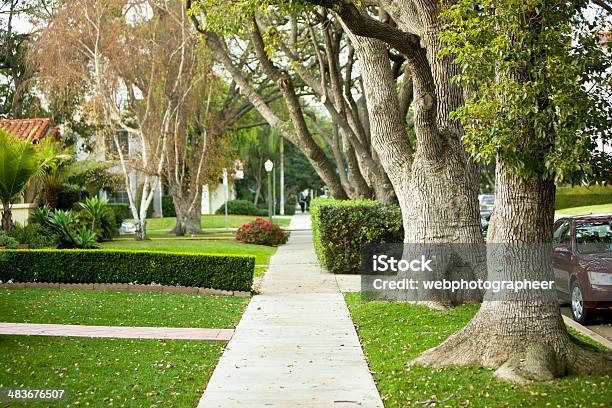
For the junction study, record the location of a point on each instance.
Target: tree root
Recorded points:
(518, 359)
(434, 305)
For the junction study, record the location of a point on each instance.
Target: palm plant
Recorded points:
(20, 162)
(55, 160)
(85, 239)
(95, 208)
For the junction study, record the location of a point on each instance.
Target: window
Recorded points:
(565, 236)
(559, 231)
(594, 237)
(119, 197)
(111, 147)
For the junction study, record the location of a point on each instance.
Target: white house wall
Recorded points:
(214, 198)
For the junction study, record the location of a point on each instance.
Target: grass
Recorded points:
(211, 221)
(261, 253)
(119, 308)
(587, 210)
(394, 333)
(110, 372)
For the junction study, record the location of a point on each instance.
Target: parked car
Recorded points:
(582, 263)
(487, 202)
(485, 220)
(127, 228)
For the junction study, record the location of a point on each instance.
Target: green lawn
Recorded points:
(587, 210)
(211, 221)
(261, 253)
(393, 333)
(119, 308)
(109, 372)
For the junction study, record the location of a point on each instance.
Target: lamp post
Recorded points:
(225, 187)
(282, 176)
(269, 166)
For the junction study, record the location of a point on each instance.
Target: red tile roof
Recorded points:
(24, 128)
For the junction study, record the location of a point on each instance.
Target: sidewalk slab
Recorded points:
(122, 332)
(296, 345)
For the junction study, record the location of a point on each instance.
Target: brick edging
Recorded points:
(126, 287)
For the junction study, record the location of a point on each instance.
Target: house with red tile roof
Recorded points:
(35, 129)
(38, 128)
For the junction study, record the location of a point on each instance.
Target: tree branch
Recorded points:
(363, 25)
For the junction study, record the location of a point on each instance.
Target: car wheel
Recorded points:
(579, 312)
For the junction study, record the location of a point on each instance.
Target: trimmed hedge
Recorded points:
(289, 209)
(226, 272)
(238, 207)
(340, 228)
(579, 196)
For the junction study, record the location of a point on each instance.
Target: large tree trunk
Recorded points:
(522, 336)
(434, 185)
(188, 209)
(355, 176)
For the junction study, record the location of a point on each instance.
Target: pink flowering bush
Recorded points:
(261, 232)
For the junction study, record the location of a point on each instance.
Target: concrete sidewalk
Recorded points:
(296, 345)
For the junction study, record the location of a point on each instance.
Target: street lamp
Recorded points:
(268, 165)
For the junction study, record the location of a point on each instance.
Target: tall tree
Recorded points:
(540, 105)
(293, 83)
(323, 59)
(136, 79)
(436, 182)
(18, 22)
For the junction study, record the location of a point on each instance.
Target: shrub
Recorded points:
(261, 232)
(121, 211)
(35, 235)
(105, 227)
(85, 238)
(7, 241)
(67, 196)
(578, 196)
(341, 228)
(168, 207)
(238, 207)
(289, 209)
(262, 213)
(226, 272)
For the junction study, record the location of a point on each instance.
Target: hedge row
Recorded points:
(226, 272)
(579, 196)
(341, 228)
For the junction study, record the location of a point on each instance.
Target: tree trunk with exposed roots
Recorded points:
(522, 337)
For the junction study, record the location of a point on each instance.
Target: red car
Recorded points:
(582, 263)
